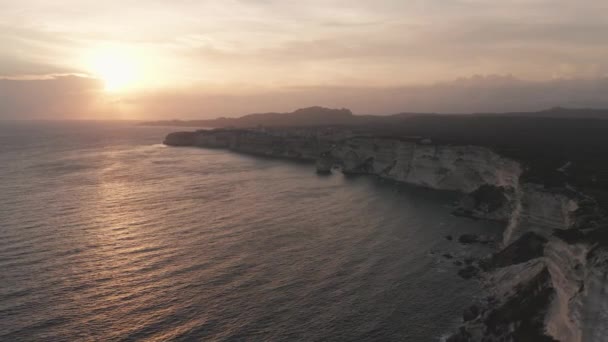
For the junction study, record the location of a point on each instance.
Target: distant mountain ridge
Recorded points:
(321, 116)
(311, 116)
(561, 112)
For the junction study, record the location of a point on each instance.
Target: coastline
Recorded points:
(547, 272)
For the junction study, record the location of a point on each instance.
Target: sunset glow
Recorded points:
(193, 59)
(117, 69)
(318, 170)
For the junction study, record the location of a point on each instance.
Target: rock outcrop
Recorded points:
(180, 139)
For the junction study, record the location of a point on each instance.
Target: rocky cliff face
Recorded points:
(540, 210)
(544, 288)
(578, 264)
(548, 280)
(490, 179)
(462, 168)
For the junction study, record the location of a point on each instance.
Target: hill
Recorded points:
(320, 116)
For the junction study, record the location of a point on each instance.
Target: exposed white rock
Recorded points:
(446, 167)
(579, 309)
(579, 275)
(566, 264)
(594, 308)
(503, 282)
(540, 211)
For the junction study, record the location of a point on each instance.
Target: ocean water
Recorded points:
(107, 235)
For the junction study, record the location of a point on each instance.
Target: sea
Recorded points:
(108, 235)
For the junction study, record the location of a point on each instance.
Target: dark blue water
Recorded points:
(107, 235)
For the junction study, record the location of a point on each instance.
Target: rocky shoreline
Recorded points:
(549, 276)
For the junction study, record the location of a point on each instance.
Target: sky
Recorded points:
(153, 59)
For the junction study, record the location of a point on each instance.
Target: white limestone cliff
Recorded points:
(578, 309)
(579, 272)
(566, 265)
(447, 167)
(539, 210)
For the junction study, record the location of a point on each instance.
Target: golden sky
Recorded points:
(218, 56)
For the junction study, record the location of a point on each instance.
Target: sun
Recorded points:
(116, 68)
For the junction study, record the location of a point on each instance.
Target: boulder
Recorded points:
(468, 239)
(470, 313)
(468, 272)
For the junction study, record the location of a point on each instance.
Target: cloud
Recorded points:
(63, 97)
(466, 95)
(202, 58)
(14, 67)
(32, 52)
(385, 42)
(83, 98)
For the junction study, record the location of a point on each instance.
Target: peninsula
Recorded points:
(544, 176)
